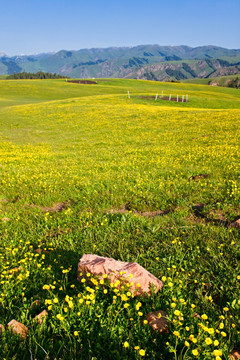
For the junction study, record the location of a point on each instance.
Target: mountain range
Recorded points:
(151, 62)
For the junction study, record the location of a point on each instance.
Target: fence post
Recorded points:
(128, 94)
(156, 97)
(183, 98)
(170, 96)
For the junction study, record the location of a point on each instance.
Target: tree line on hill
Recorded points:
(37, 75)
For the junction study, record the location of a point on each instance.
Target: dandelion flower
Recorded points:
(142, 352)
(208, 341)
(177, 313)
(217, 352)
(195, 352)
(176, 333)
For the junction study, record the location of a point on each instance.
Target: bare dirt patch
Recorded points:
(198, 208)
(56, 207)
(150, 97)
(215, 218)
(153, 213)
(127, 208)
(197, 177)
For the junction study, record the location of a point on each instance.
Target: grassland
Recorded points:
(91, 150)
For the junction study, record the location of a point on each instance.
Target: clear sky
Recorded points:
(35, 26)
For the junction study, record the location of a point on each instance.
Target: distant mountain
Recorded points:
(144, 62)
(187, 69)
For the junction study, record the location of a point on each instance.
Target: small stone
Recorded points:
(158, 321)
(235, 355)
(140, 279)
(196, 315)
(5, 201)
(40, 317)
(6, 219)
(39, 251)
(18, 328)
(2, 329)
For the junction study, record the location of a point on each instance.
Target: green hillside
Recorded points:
(84, 169)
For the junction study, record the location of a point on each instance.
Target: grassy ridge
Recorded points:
(219, 81)
(93, 149)
(14, 92)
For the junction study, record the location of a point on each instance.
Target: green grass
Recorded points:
(94, 149)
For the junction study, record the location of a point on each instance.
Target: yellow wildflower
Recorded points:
(208, 341)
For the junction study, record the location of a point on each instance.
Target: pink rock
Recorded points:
(6, 219)
(18, 328)
(40, 317)
(140, 279)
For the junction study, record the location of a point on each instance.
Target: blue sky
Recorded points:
(33, 26)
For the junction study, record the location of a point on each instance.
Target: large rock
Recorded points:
(140, 279)
(158, 321)
(235, 355)
(18, 328)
